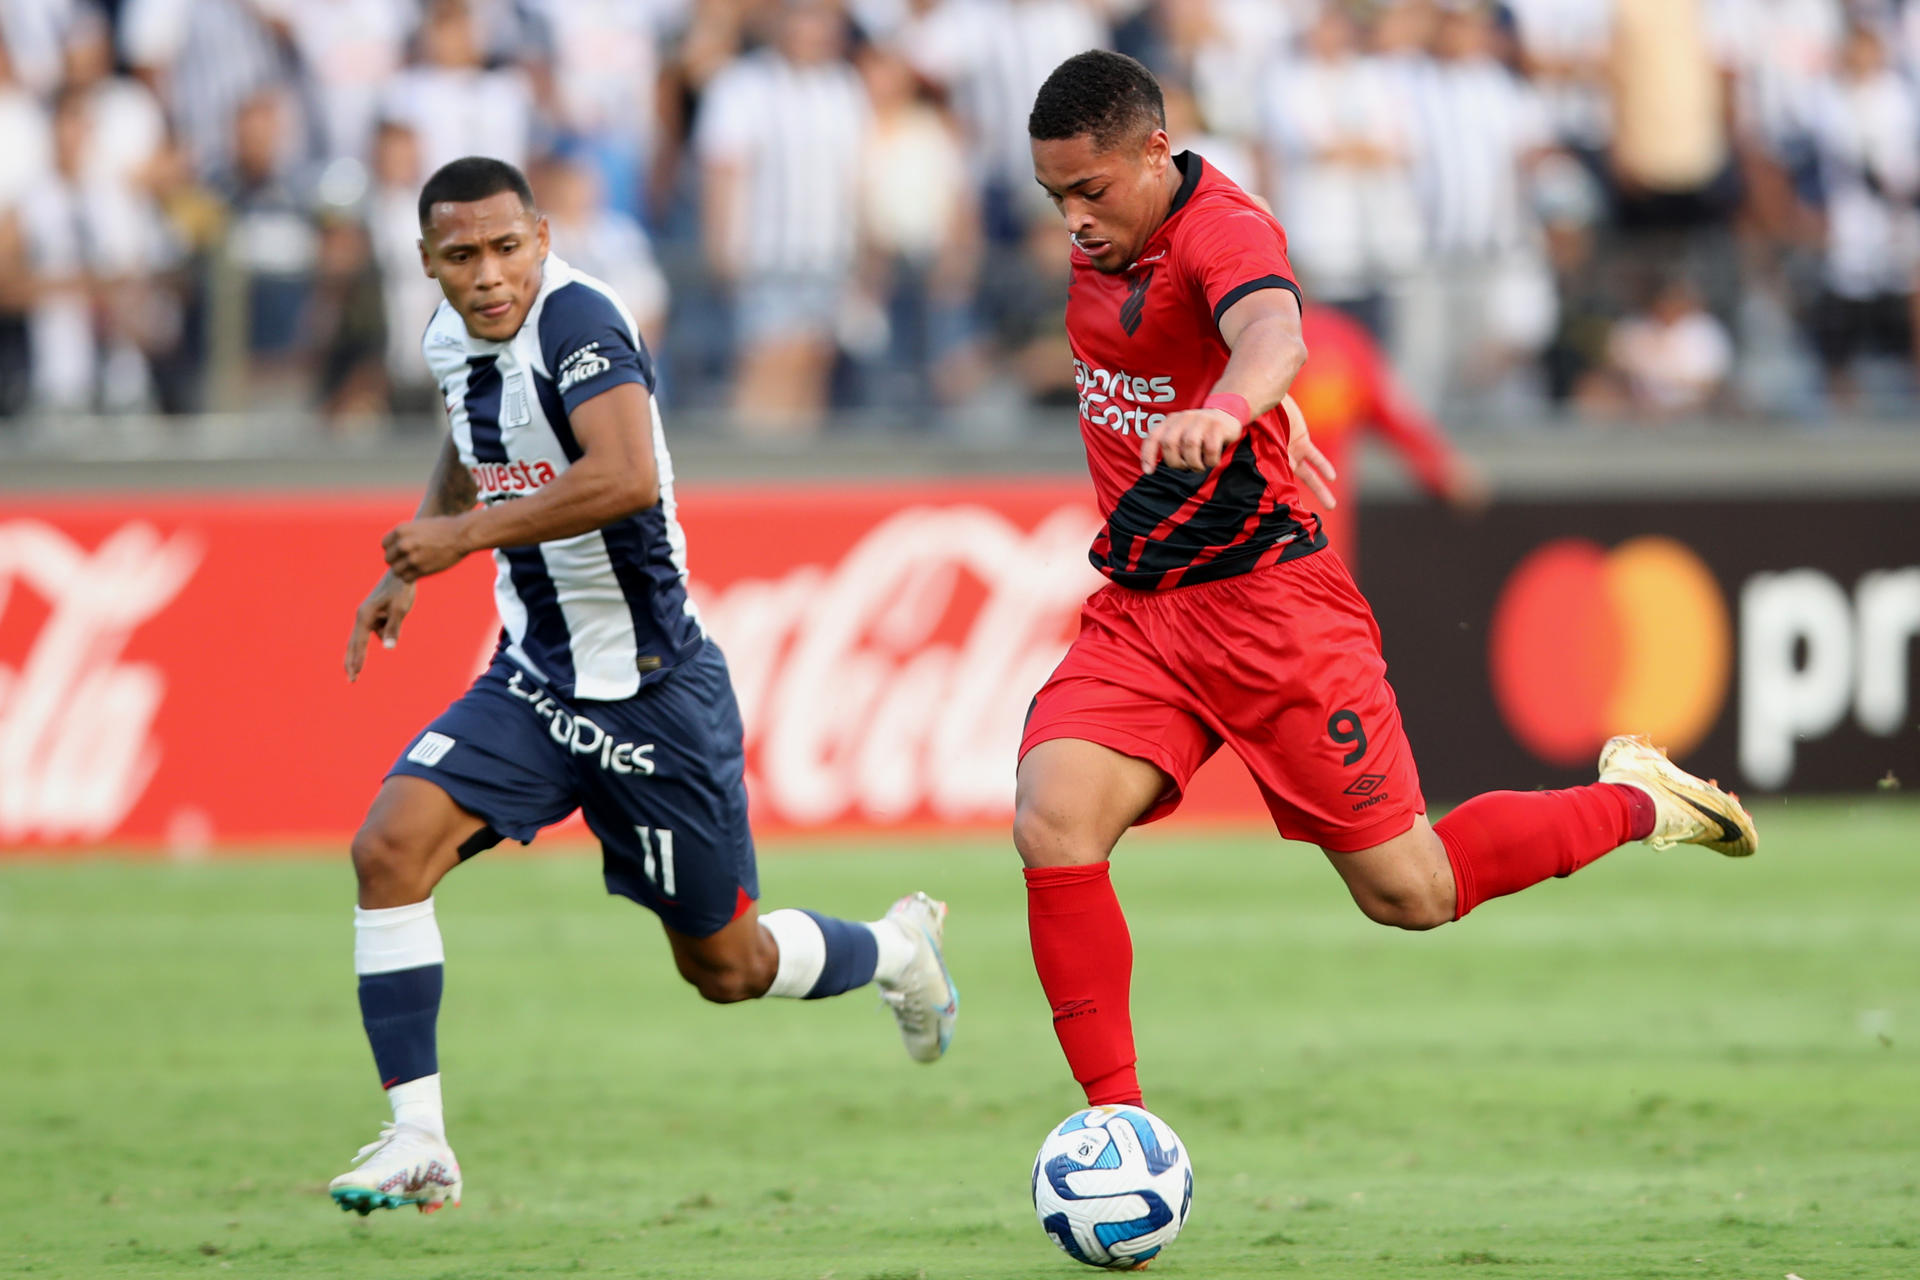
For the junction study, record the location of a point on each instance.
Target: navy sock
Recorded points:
(399, 1009)
(852, 956)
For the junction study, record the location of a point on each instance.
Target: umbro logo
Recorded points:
(1067, 1010)
(1366, 784)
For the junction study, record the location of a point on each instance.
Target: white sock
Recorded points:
(803, 952)
(896, 950)
(417, 1102)
(386, 939)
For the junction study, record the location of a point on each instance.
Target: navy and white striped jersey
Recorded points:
(591, 616)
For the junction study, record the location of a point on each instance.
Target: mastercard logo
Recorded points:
(1587, 643)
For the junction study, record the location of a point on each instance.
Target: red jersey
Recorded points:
(1146, 343)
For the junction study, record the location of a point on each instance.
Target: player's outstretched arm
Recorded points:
(450, 491)
(614, 477)
(1262, 330)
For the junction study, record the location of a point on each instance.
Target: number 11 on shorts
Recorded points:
(659, 870)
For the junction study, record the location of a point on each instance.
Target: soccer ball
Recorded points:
(1112, 1186)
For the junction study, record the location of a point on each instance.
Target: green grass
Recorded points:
(1668, 1066)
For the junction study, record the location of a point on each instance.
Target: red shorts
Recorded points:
(1282, 664)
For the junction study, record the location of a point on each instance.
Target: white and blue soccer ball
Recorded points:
(1112, 1186)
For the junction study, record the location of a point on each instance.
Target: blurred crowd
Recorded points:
(1625, 210)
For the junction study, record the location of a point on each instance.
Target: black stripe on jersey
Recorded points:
(1240, 291)
(556, 410)
(656, 598)
(1136, 304)
(1218, 521)
(1243, 559)
(1144, 507)
(1217, 524)
(551, 643)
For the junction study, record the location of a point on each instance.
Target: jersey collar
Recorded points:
(1191, 168)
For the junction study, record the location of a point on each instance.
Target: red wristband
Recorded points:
(1227, 402)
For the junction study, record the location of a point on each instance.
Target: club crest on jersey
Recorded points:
(497, 480)
(582, 366)
(1136, 304)
(513, 401)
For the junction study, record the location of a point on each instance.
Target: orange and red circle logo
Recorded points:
(1587, 643)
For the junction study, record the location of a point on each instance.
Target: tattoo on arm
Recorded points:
(450, 490)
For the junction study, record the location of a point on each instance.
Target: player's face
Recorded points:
(486, 254)
(1112, 200)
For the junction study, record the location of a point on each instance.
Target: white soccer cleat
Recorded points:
(1687, 810)
(924, 1000)
(406, 1165)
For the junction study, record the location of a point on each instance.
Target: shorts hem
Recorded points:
(518, 831)
(1354, 839)
(1127, 744)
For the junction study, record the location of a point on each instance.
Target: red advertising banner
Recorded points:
(170, 667)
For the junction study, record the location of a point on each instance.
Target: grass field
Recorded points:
(1668, 1066)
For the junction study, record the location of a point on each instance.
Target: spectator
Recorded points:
(606, 84)
(1670, 144)
(16, 367)
(28, 154)
(92, 247)
(1227, 50)
(1670, 360)
(1336, 126)
(453, 103)
(348, 50)
(203, 58)
(782, 133)
(992, 56)
(271, 238)
(35, 31)
(129, 127)
(1564, 47)
(1481, 304)
(1867, 127)
(408, 298)
(1188, 130)
(920, 209)
(601, 240)
(1026, 311)
(349, 327)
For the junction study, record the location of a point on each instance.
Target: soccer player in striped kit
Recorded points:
(605, 695)
(1226, 618)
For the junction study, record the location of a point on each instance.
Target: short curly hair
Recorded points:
(1098, 92)
(472, 178)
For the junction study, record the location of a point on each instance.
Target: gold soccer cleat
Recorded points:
(1687, 810)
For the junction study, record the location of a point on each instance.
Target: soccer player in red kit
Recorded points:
(1226, 619)
(1347, 388)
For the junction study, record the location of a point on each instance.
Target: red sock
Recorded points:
(1503, 841)
(1084, 956)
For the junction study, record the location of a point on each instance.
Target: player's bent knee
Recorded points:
(727, 978)
(1045, 837)
(728, 985)
(391, 870)
(1410, 910)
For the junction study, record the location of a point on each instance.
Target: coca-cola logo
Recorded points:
(76, 749)
(894, 683)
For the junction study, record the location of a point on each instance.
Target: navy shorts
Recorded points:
(658, 776)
